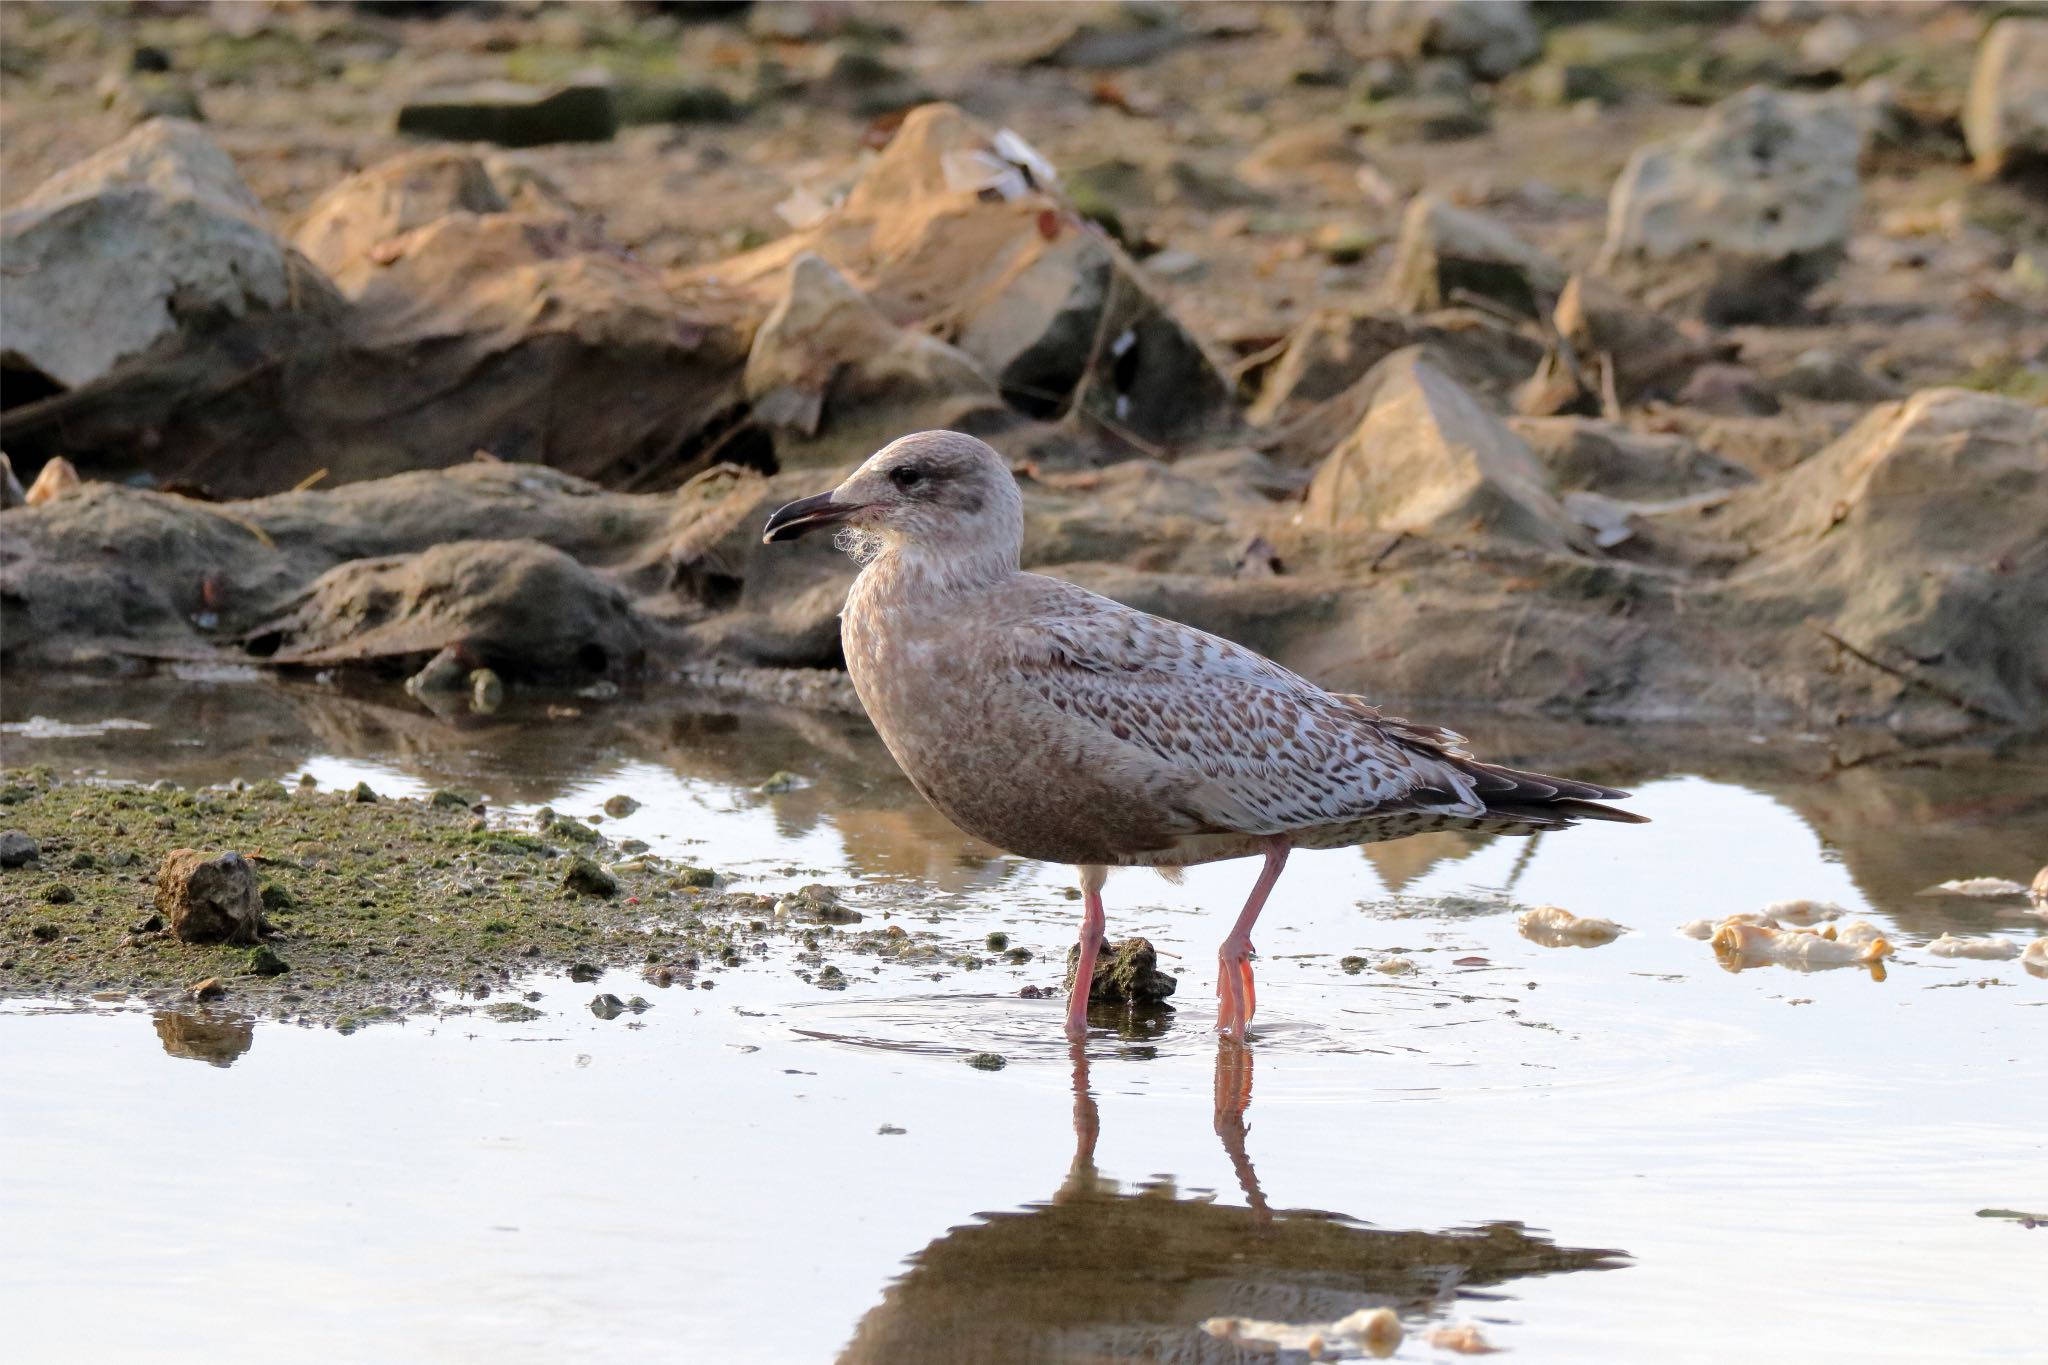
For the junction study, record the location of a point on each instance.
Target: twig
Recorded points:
(1264, 355)
(1373, 565)
(1927, 685)
(1493, 307)
(303, 484)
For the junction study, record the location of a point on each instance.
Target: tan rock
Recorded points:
(2005, 118)
(1428, 459)
(209, 899)
(344, 228)
(59, 478)
(1445, 252)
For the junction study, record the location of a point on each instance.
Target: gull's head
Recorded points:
(937, 491)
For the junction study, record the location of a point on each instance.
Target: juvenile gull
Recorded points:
(1060, 725)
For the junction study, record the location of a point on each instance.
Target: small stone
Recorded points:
(1017, 956)
(362, 795)
(17, 849)
(1126, 973)
(584, 971)
(45, 933)
(620, 806)
(1352, 965)
(778, 783)
(633, 845)
(84, 861)
(890, 1130)
(695, 877)
(446, 799)
(213, 988)
(998, 941)
(276, 897)
(607, 1006)
(446, 672)
(264, 961)
(511, 1012)
(587, 878)
(57, 893)
(486, 692)
(988, 1061)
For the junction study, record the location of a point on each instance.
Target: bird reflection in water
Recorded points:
(1099, 1273)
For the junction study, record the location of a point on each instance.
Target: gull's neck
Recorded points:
(905, 570)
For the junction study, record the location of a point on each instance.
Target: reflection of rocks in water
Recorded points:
(1098, 1272)
(1898, 819)
(213, 1038)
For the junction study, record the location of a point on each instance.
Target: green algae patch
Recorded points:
(371, 908)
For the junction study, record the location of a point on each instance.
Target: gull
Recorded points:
(1062, 726)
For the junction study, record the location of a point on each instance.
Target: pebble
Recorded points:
(17, 849)
(213, 988)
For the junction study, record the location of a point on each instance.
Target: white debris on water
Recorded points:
(43, 727)
(1983, 949)
(1553, 926)
(1369, 1331)
(1853, 943)
(1985, 887)
(1803, 912)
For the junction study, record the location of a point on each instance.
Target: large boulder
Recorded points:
(527, 334)
(517, 606)
(1744, 215)
(827, 359)
(961, 231)
(2005, 118)
(1445, 252)
(1428, 459)
(133, 244)
(1915, 541)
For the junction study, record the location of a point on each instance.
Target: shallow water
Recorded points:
(1595, 1154)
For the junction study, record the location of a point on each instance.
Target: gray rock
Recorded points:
(1427, 457)
(1489, 37)
(513, 115)
(17, 849)
(209, 900)
(1586, 454)
(1741, 217)
(1828, 376)
(587, 878)
(2005, 118)
(11, 492)
(1333, 349)
(190, 240)
(1728, 391)
(1445, 251)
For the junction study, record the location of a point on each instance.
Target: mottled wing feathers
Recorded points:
(1232, 741)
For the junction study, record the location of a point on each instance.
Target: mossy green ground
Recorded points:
(379, 907)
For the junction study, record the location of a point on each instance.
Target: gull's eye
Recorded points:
(906, 476)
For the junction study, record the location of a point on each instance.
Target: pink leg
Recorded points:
(1236, 998)
(1092, 922)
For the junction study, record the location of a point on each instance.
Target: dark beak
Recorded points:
(805, 514)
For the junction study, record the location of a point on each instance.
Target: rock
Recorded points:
(944, 227)
(988, 1061)
(57, 893)
(2005, 117)
(1647, 355)
(1914, 540)
(586, 878)
(166, 204)
(1333, 349)
(620, 806)
(524, 333)
(138, 96)
(1728, 391)
(522, 605)
(1428, 458)
(58, 478)
(1141, 37)
(1489, 37)
(344, 228)
(209, 900)
(826, 342)
(17, 849)
(1126, 973)
(1828, 376)
(11, 491)
(607, 1006)
(447, 671)
(212, 988)
(1567, 83)
(512, 115)
(1741, 217)
(264, 961)
(486, 692)
(1584, 454)
(1445, 251)
(362, 794)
